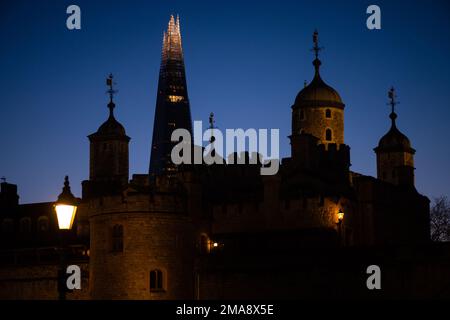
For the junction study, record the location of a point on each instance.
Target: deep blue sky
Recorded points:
(245, 61)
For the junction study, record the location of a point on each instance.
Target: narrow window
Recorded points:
(328, 113)
(156, 280)
(328, 135)
(42, 224)
(117, 238)
(25, 225)
(302, 115)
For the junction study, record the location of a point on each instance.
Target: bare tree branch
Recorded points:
(440, 219)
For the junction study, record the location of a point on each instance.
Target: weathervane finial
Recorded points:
(111, 92)
(316, 50)
(211, 126)
(316, 47)
(393, 102)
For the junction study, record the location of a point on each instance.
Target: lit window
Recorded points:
(328, 135)
(117, 238)
(175, 98)
(156, 280)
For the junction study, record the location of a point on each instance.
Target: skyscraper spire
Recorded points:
(172, 49)
(172, 103)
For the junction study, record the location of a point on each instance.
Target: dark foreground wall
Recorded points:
(406, 272)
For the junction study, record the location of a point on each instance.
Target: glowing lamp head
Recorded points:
(66, 207)
(340, 216)
(215, 244)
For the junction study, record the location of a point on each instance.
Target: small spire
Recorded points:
(111, 92)
(211, 126)
(316, 50)
(305, 84)
(393, 102)
(66, 195)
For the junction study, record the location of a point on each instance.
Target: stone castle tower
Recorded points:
(172, 102)
(317, 139)
(395, 156)
(141, 235)
(318, 109)
(108, 167)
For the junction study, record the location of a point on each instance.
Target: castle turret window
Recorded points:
(328, 113)
(302, 115)
(117, 238)
(328, 135)
(156, 280)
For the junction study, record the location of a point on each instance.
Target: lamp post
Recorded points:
(340, 217)
(65, 208)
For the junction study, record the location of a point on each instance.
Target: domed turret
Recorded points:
(109, 148)
(111, 127)
(318, 109)
(394, 140)
(395, 156)
(318, 93)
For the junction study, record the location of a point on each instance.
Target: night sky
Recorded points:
(245, 61)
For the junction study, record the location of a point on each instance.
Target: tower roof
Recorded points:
(394, 139)
(318, 93)
(111, 127)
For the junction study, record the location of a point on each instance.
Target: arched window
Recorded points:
(156, 280)
(25, 225)
(43, 224)
(328, 113)
(117, 238)
(328, 135)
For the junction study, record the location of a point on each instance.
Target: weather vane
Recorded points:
(392, 97)
(211, 126)
(110, 84)
(316, 47)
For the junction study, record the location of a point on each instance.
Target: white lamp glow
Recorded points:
(65, 215)
(66, 207)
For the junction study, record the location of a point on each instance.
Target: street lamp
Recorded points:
(340, 216)
(65, 208)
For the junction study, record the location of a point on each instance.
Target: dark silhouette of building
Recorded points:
(226, 231)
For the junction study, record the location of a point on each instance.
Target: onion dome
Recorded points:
(111, 127)
(318, 93)
(394, 140)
